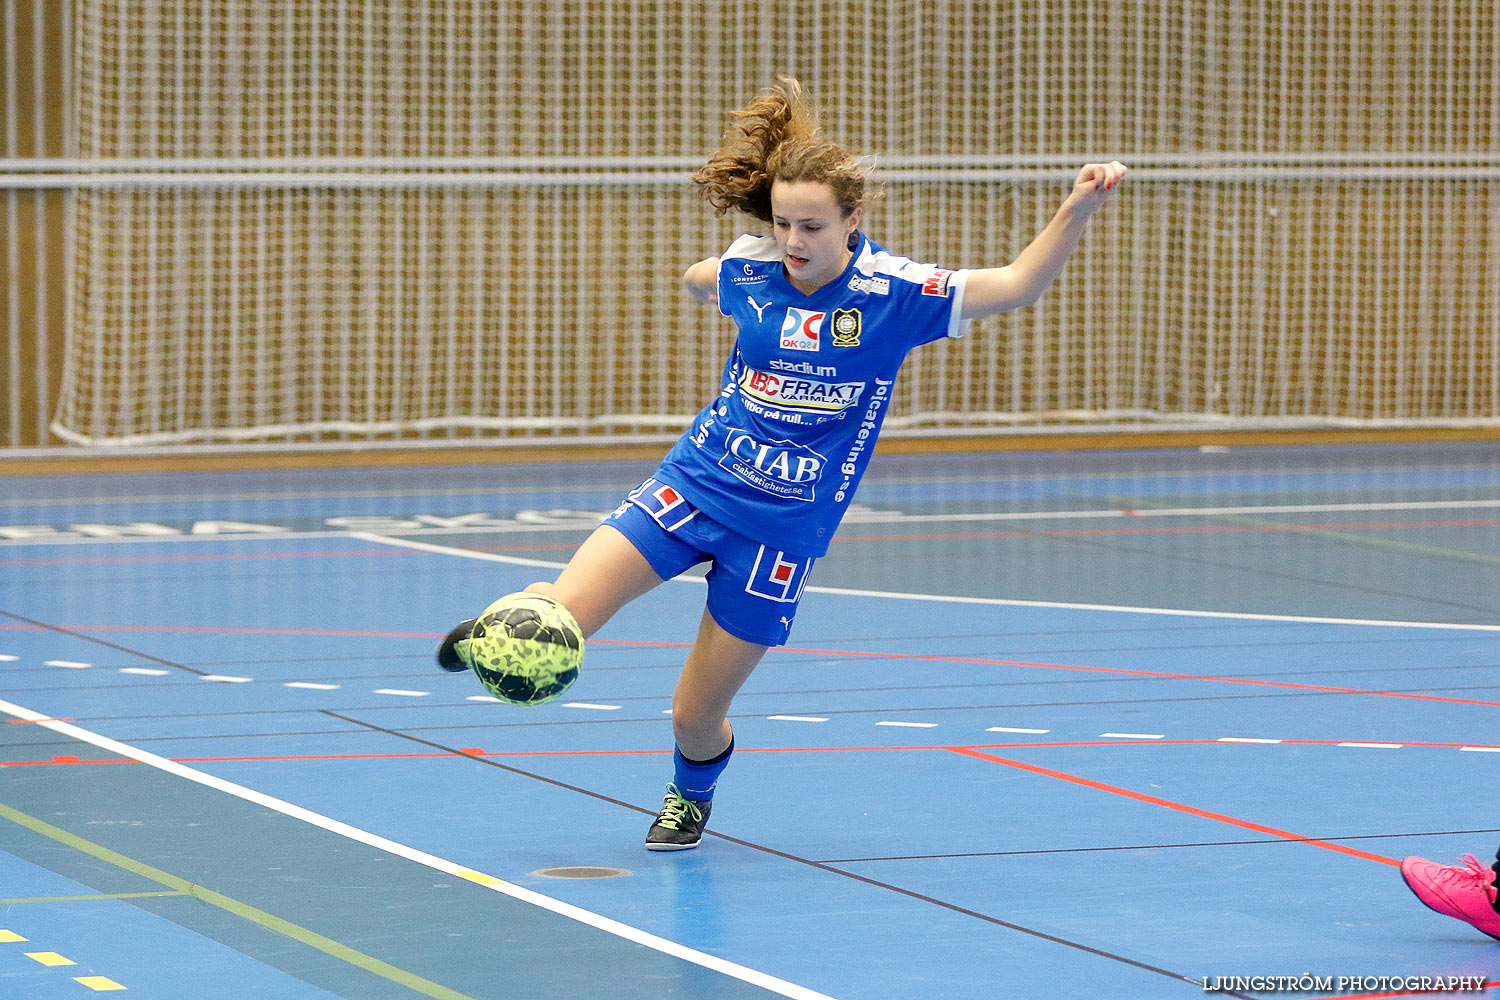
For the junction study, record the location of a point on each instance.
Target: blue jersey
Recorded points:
(778, 454)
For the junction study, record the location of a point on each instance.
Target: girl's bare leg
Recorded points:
(717, 666)
(605, 574)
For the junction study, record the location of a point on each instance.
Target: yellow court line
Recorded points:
(49, 958)
(1374, 541)
(1393, 543)
(78, 899)
(312, 939)
(98, 983)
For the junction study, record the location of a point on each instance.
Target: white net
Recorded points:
(452, 218)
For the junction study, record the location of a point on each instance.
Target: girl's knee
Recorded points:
(695, 722)
(580, 606)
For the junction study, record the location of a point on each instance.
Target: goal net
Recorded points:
(425, 220)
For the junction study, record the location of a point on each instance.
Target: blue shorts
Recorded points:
(753, 589)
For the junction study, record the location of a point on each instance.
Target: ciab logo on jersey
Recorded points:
(802, 329)
(777, 466)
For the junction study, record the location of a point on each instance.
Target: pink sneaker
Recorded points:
(1466, 893)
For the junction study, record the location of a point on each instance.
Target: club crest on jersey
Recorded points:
(802, 330)
(846, 328)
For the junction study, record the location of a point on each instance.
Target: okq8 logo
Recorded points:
(802, 330)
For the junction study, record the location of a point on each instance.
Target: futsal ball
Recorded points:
(526, 648)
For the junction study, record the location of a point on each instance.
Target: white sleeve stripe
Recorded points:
(957, 325)
(904, 268)
(718, 283)
(752, 247)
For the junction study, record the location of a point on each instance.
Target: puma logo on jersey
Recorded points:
(760, 310)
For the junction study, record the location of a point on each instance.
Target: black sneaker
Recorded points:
(450, 652)
(680, 823)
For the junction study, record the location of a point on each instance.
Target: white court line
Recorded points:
(896, 517)
(226, 679)
(1008, 729)
(613, 488)
(625, 931)
(1374, 746)
(503, 525)
(585, 704)
(854, 516)
(402, 693)
(448, 550)
(310, 686)
(910, 725)
(1483, 749)
(69, 664)
(797, 718)
(1131, 736)
(1244, 739)
(145, 671)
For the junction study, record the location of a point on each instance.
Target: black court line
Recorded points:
(1176, 976)
(1338, 585)
(444, 700)
(344, 681)
(1378, 635)
(85, 637)
(1157, 847)
(623, 720)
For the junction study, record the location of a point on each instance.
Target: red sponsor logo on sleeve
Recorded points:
(937, 283)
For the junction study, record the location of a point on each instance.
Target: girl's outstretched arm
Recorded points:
(702, 280)
(991, 290)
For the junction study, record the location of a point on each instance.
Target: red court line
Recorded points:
(1186, 529)
(191, 557)
(481, 752)
(1141, 673)
(568, 546)
(223, 630)
(1178, 806)
(864, 654)
(200, 556)
(1489, 984)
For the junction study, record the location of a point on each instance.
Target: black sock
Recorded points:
(1496, 882)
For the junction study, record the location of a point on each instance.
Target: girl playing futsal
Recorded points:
(760, 480)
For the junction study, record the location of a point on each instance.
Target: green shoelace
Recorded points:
(675, 808)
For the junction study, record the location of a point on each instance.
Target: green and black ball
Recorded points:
(525, 649)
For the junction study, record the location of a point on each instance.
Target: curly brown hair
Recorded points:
(777, 138)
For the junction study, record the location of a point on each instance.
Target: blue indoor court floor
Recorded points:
(1098, 724)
